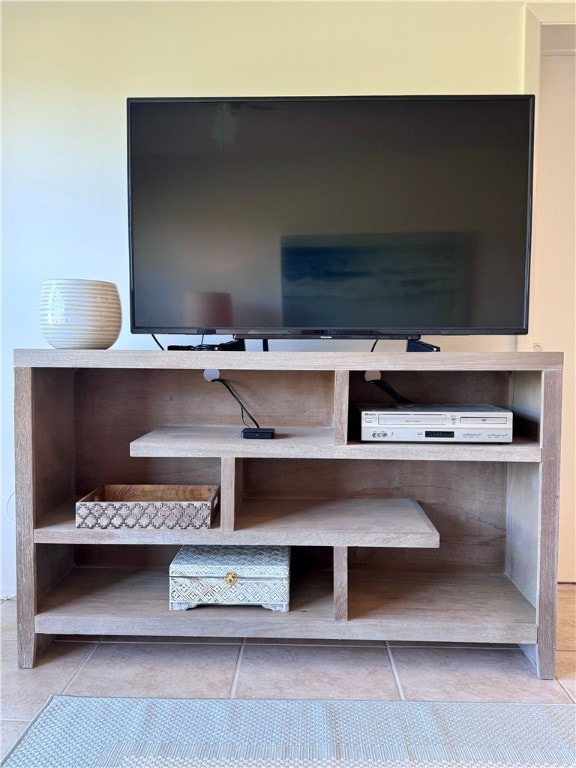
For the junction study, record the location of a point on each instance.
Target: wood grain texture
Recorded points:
(329, 522)
(341, 406)
(336, 522)
(461, 386)
(486, 605)
(228, 493)
(524, 490)
(550, 491)
(286, 361)
(157, 493)
(423, 607)
(54, 428)
(59, 526)
(191, 441)
(112, 407)
(478, 565)
(340, 583)
(464, 501)
(134, 602)
(523, 527)
(44, 459)
(25, 512)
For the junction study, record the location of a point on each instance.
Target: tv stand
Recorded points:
(414, 344)
(236, 345)
(414, 542)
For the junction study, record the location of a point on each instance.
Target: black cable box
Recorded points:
(261, 433)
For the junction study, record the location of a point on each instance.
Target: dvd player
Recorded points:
(438, 423)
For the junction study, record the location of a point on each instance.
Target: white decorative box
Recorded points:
(148, 506)
(230, 575)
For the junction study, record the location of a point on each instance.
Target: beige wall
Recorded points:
(68, 68)
(553, 299)
(265, 48)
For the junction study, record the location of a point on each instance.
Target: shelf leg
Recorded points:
(543, 661)
(340, 583)
(30, 644)
(230, 491)
(341, 398)
(26, 646)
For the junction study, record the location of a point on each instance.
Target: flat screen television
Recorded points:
(345, 217)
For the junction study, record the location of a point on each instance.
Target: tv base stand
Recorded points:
(236, 345)
(416, 345)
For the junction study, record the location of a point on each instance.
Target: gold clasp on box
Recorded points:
(231, 578)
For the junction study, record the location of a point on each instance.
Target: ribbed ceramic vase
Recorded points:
(80, 314)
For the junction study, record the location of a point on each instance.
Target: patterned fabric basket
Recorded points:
(230, 575)
(148, 506)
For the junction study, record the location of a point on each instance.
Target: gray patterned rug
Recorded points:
(81, 732)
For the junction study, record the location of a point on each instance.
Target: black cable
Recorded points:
(375, 377)
(243, 408)
(373, 347)
(400, 399)
(157, 342)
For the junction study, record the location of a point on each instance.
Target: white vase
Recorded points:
(80, 314)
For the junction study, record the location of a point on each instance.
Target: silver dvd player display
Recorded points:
(438, 423)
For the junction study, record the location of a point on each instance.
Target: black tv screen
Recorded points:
(367, 217)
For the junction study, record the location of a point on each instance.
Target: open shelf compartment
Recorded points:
(422, 607)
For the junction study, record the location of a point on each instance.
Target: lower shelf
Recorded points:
(412, 607)
(442, 607)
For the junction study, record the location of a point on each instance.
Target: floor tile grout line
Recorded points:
(81, 667)
(570, 695)
(169, 641)
(395, 672)
(234, 685)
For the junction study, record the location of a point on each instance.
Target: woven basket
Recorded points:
(148, 506)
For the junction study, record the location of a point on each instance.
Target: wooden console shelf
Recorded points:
(405, 541)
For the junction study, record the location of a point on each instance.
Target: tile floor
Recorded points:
(273, 669)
